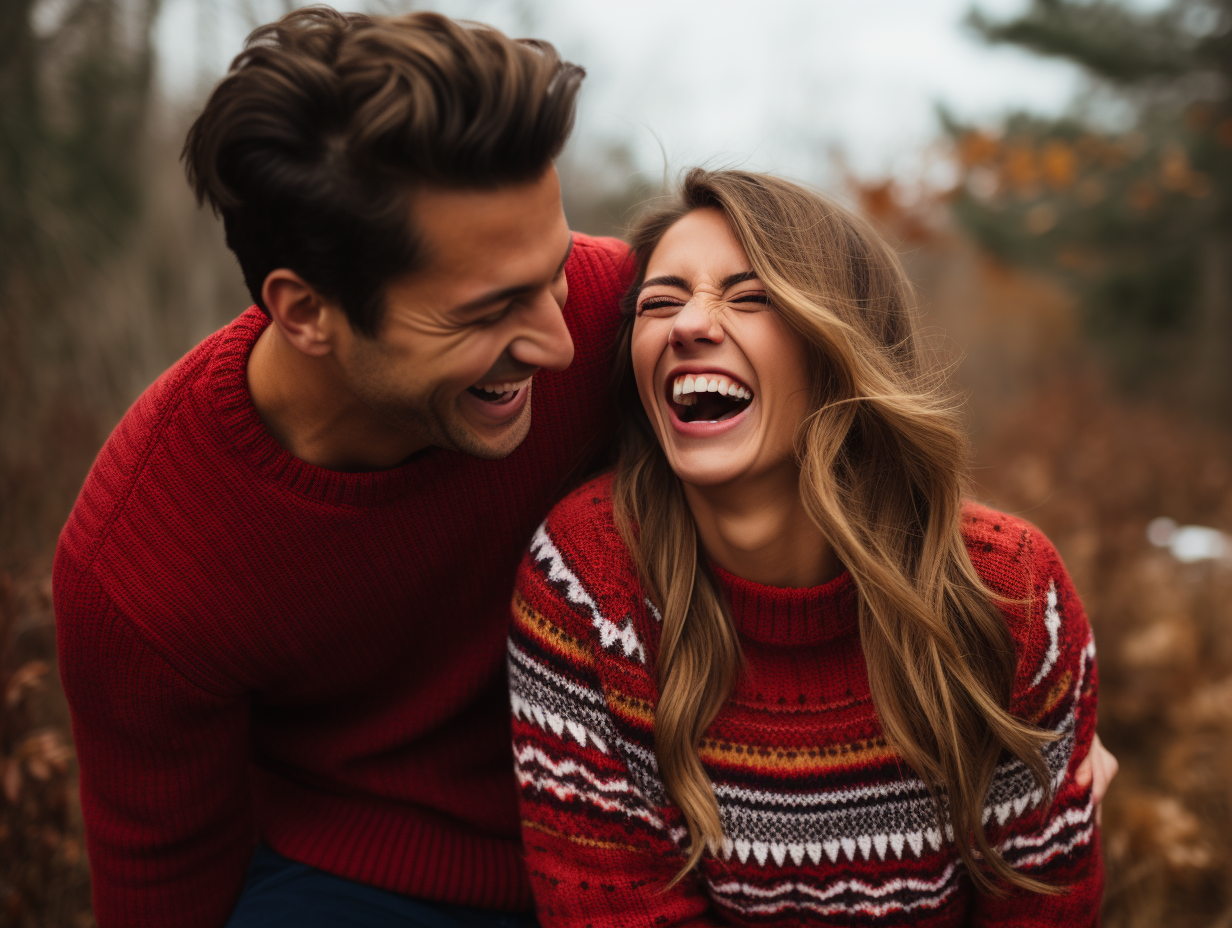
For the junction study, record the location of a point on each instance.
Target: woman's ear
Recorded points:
(306, 319)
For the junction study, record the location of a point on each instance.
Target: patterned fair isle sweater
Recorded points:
(824, 824)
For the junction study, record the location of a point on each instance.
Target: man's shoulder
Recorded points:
(131, 456)
(602, 255)
(599, 271)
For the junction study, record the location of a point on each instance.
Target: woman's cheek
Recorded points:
(645, 354)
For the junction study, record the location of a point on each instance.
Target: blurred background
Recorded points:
(1056, 173)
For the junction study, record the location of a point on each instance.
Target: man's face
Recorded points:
(461, 339)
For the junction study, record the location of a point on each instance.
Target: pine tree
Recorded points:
(1140, 221)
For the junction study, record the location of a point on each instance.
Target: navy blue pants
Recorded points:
(280, 893)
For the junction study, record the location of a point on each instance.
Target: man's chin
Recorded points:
(488, 441)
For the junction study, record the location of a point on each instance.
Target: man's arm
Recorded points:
(163, 768)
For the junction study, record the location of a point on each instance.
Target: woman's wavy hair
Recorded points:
(882, 460)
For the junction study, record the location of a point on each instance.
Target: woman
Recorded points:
(773, 669)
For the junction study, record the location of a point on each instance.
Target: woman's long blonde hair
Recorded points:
(882, 461)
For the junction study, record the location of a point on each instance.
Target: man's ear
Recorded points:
(306, 319)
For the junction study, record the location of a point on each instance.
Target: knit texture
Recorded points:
(824, 823)
(253, 646)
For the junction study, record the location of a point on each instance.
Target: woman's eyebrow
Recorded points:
(673, 281)
(669, 281)
(732, 279)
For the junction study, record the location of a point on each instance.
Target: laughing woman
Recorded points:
(773, 669)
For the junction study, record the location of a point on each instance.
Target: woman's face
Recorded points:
(724, 381)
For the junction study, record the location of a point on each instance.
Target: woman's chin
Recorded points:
(705, 469)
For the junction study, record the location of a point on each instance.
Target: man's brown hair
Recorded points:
(325, 125)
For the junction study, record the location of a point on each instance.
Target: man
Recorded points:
(282, 597)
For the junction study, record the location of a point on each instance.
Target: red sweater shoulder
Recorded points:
(1045, 616)
(579, 546)
(125, 455)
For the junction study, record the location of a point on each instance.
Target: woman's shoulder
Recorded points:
(1044, 613)
(579, 573)
(586, 514)
(1010, 554)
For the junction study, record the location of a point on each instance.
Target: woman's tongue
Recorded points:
(709, 407)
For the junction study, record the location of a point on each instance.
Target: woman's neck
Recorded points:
(757, 529)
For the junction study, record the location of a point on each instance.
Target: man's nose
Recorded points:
(696, 325)
(544, 340)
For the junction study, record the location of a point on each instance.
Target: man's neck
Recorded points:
(759, 530)
(306, 404)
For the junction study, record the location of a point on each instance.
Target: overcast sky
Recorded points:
(771, 84)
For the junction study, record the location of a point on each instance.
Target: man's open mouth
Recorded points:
(707, 397)
(499, 393)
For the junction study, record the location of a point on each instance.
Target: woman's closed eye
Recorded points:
(756, 296)
(666, 305)
(659, 305)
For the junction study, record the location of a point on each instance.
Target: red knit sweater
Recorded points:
(254, 646)
(824, 823)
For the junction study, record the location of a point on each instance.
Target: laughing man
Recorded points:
(282, 597)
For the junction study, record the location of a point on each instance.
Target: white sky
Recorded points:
(770, 85)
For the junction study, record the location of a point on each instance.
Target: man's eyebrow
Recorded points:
(497, 296)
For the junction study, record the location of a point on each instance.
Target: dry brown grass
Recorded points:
(44, 879)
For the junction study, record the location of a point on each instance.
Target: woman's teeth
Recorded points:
(686, 386)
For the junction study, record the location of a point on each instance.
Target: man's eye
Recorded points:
(493, 318)
(658, 306)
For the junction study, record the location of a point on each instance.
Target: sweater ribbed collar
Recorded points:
(235, 412)
(790, 616)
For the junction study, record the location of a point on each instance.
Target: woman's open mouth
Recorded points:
(707, 397)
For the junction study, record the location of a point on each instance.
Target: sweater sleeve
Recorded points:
(597, 848)
(1056, 689)
(163, 770)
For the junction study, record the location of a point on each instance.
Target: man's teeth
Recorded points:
(502, 387)
(686, 384)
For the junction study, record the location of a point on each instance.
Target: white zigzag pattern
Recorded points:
(1063, 819)
(551, 721)
(731, 893)
(609, 632)
(567, 766)
(877, 910)
(1052, 621)
(1041, 857)
(596, 797)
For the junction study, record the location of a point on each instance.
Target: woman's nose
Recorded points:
(696, 325)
